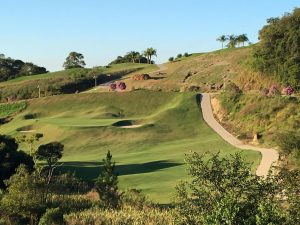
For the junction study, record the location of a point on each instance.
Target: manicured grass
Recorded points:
(150, 158)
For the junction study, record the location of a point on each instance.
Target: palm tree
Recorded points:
(133, 56)
(222, 39)
(232, 41)
(139, 56)
(243, 38)
(149, 52)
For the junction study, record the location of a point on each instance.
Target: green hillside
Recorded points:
(150, 156)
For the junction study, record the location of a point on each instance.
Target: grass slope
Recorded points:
(150, 157)
(78, 71)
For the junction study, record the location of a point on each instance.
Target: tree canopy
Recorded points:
(11, 158)
(130, 57)
(74, 60)
(225, 191)
(12, 68)
(278, 52)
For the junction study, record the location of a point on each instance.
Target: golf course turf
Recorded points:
(150, 156)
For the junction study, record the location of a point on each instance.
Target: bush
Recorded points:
(52, 217)
(230, 97)
(289, 142)
(171, 59)
(120, 217)
(186, 54)
(179, 56)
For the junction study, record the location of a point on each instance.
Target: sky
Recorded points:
(45, 32)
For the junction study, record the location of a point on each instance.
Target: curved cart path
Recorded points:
(269, 155)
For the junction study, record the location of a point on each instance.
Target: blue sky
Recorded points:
(44, 32)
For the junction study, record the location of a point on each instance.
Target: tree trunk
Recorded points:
(222, 44)
(150, 59)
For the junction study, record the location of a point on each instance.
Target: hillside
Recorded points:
(205, 72)
(149, 157)
(66, 81)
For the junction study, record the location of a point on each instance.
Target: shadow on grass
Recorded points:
(91, 170)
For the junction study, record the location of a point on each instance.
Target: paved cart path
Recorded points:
(269, 155)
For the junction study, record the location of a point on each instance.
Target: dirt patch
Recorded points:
(217, 109)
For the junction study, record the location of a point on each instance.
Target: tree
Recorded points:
(149, 52)
(74, 60)
(277, 53)
(107, 183)
(171, 59)
(232, 41)
(222, 39)
(289, 142)
(223, 191)
(179, 56)
(11, 68)
(51, 153)
(134, 56)
(11, 158)
(25, 197)
(30, 140)
(242, 39)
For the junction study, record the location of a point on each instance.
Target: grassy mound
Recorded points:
(150, 158)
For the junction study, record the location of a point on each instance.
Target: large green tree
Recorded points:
(12, 68)
(74, 60)
(278, 52)
(107, 183)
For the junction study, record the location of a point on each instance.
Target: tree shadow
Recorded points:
(91, 170)
(157, 78)
(199, 99)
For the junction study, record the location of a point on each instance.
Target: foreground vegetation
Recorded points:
(222, 191)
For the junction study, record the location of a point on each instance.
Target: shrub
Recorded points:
(289, 142)
(52, 217)
(179, 56)
(186, 54)
(230, 97)
(120, 217)
(113, 86)
(171, 59)
(122, 85)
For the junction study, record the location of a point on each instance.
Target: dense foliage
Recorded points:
(130, 57)
(225, 191)
(11, 68)
(11, 158)
(278, 52)
(74, 60)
